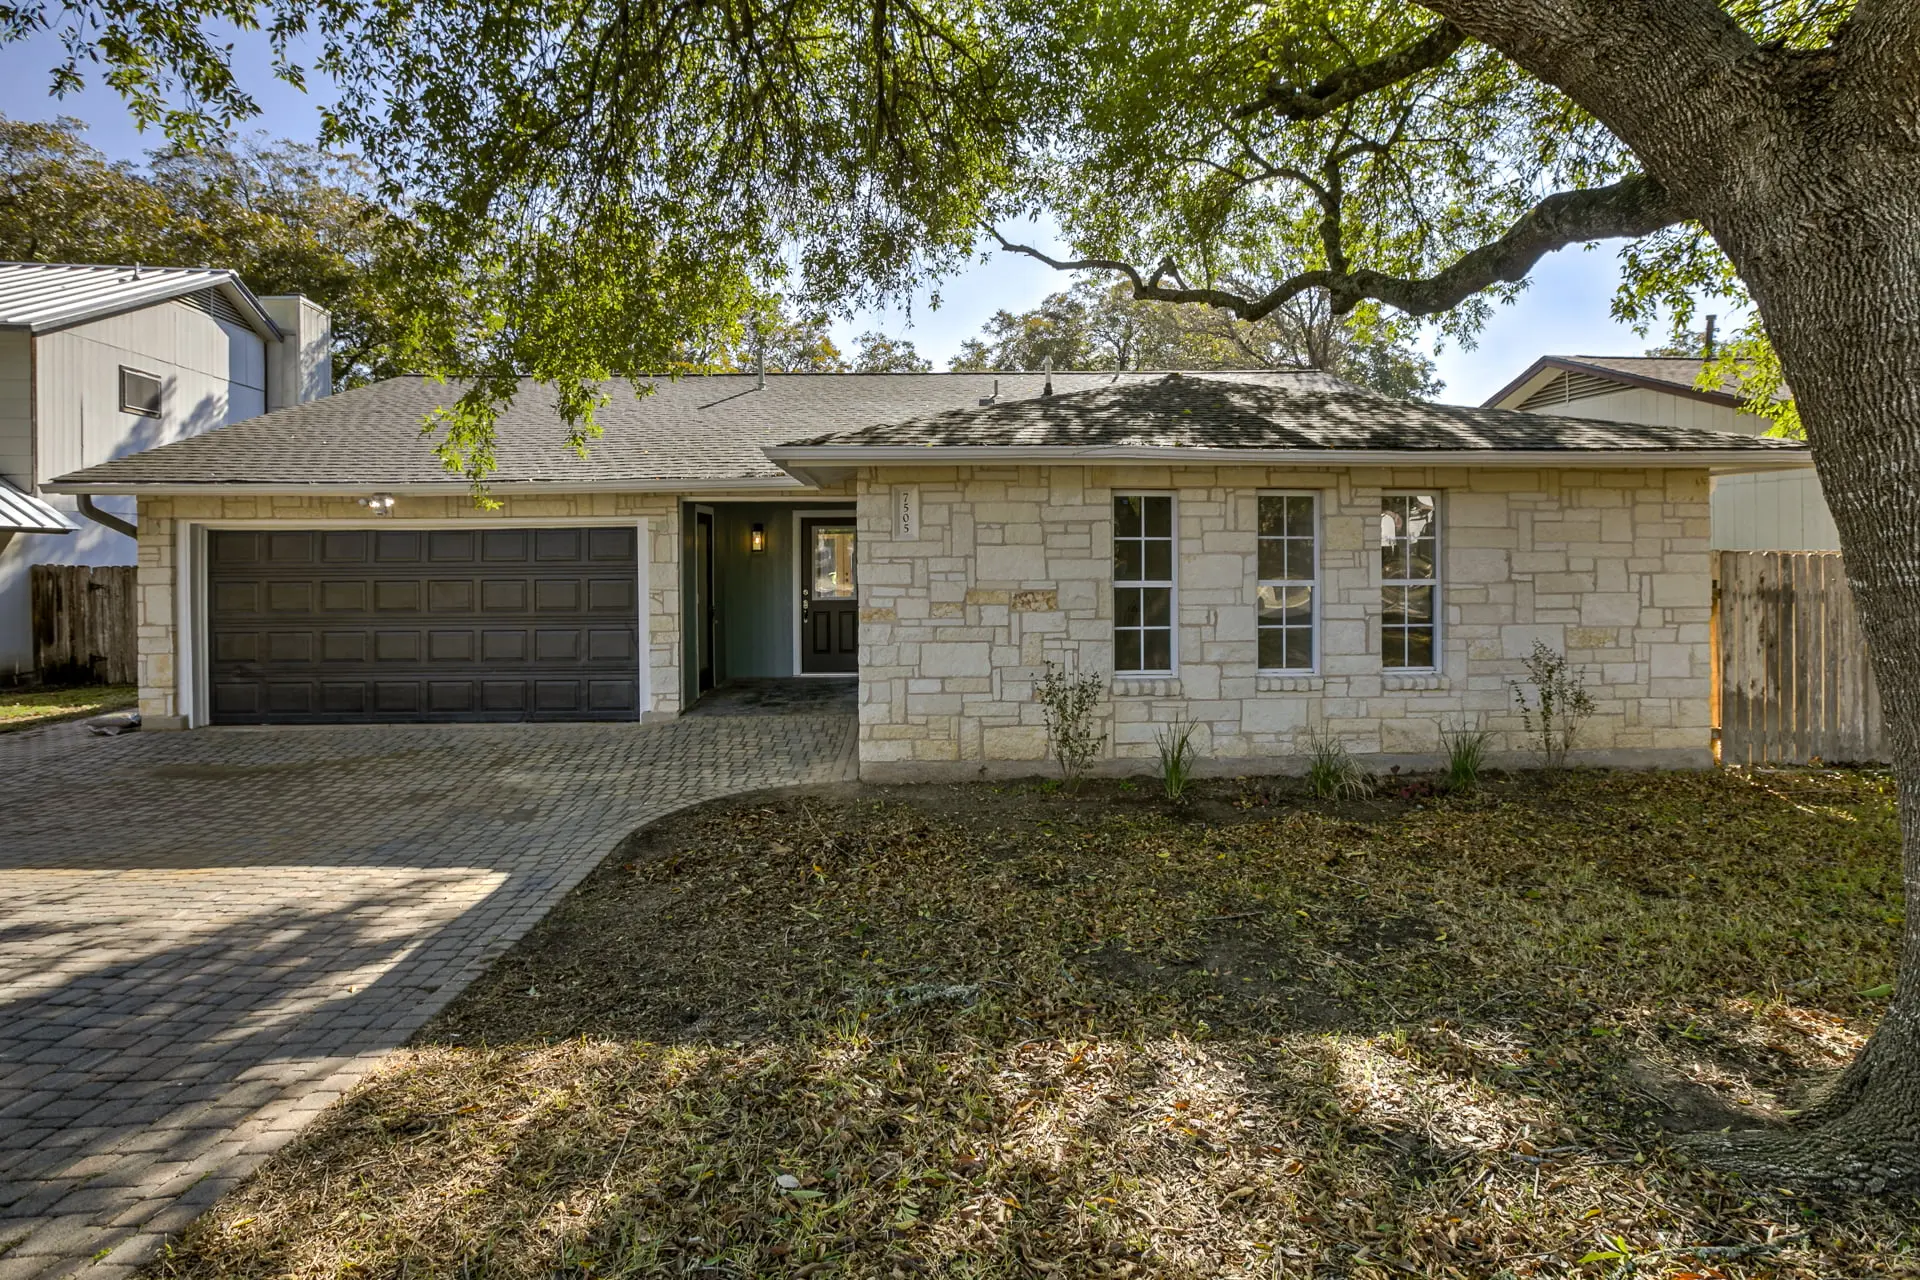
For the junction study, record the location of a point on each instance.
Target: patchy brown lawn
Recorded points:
(998, 1031)
(24, 709)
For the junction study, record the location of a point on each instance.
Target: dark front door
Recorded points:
(829, 607)
(344, 626)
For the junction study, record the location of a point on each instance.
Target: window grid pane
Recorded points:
(1288, 590)
(1410, 573)
(1143, 583)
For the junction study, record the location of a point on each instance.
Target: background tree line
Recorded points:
(292, 217)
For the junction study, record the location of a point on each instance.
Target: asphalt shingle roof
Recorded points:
(715, 430)
(1206, 411)
(1675, 374)
(695, 429)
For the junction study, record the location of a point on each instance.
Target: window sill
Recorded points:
(1132, 686)
(1412, 681)
(1298, 682)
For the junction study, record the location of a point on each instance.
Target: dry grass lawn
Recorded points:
(24, 708)
(999, 1031)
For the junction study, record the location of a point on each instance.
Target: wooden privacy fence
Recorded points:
(83, 623)
(1794, 684)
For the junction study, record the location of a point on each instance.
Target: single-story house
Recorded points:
(1263, 555)
(1759, 511)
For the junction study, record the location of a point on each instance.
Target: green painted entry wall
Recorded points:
(758, 599)
(758, 595)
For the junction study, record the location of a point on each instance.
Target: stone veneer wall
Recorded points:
(1012, 565)
(159, 518)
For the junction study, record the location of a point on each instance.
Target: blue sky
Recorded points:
(1563, 311)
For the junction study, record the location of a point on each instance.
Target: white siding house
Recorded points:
(97, 362)
(1776, 511)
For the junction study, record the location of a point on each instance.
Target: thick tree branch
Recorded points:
(1338, 88)
(1879, 61)
(1633, 206)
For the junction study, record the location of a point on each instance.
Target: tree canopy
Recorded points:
(611, 185)
(288, 217)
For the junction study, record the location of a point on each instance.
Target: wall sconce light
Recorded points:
(757, 538)
(381, 504)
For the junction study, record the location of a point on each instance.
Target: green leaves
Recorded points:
(596, 190)
(289, 218)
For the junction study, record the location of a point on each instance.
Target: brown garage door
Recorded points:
(368, 625)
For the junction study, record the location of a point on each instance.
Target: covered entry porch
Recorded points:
(770, 594)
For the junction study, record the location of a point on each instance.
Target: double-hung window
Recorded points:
(1410, 576)
(1143, 583)
(1289, 587)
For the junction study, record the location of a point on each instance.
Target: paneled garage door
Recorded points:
(311, 626)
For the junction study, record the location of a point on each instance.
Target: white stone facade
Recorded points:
(1012, 567)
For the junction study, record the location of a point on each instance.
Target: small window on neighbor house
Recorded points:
(1143, 583)
(1288, 592)
(139, 392)
(1410, 576)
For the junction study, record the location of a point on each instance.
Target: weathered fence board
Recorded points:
(83, 623)
(1794, 682)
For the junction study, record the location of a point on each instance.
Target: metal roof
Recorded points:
(50, 295)
(24, 513)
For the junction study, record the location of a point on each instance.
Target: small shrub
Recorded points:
(1332, 772)
(1176, 759)
(1068, 700)
(1466, 757)
(1560, 702)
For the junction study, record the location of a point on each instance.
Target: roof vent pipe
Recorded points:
(759, 355)
(1706, 342)
(994, 398)
(106, 518)
(1046, 367)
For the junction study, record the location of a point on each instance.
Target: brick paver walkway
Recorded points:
(206, 937)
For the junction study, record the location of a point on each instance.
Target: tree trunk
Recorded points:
(1805, 167)
(1842, 305)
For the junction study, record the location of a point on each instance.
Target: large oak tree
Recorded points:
(612, 176)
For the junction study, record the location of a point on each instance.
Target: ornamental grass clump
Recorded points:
(1332, 772)
(1177, 756)
(1466, 757)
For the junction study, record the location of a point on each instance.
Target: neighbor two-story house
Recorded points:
(1769, 511)
(97, 362)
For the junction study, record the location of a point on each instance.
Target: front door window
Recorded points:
(832, 563)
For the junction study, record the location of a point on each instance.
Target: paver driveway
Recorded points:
(206, 937)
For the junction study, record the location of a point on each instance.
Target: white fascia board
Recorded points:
(250, 306)
(448, 488)
(815, 459)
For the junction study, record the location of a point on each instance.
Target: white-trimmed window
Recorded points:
(1288, 599)
(1410, 581)
(1143, 583)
